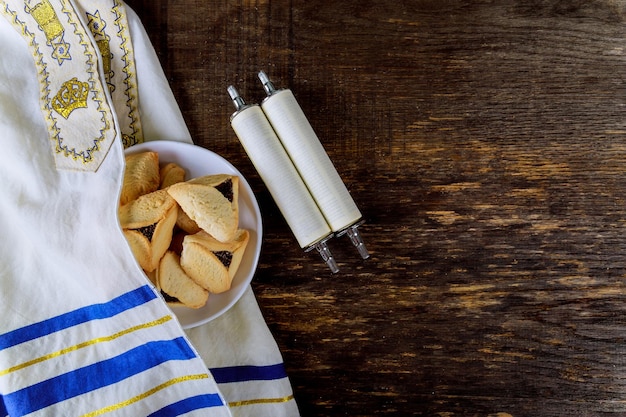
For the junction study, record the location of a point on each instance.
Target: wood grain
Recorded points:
(485, 143)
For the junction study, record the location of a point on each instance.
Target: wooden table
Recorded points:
(485, 144)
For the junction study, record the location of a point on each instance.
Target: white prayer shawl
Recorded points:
(83, 332)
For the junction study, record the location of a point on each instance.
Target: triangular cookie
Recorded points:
(212, 202)
(211, 263)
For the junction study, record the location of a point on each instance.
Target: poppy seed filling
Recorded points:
(225, 257)
(169, 298)
(226, 188)
(147, 231)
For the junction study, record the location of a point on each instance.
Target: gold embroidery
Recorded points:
(49, 23)
(135, 134)
(128, 141)
(86, 155)
(109, 27)
(71, 96)
(82, 345)
(47, 18)
(96, 25)
(105, 51)
(261, 401)
(145, 394)
(82, 148)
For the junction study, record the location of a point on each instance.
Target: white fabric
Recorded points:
(83, 332)
(245, 361)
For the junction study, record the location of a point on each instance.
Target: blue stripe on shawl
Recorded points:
(97, 375)
(189, 404)
(3, 410)
(248, 373)
(117, 305)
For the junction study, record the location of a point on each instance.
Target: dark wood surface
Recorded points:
(485, 143)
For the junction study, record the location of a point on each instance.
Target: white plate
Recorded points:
(197, 162)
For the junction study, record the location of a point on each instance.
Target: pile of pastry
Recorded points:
(183, 232)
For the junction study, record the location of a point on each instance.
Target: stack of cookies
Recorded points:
(184, 233)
